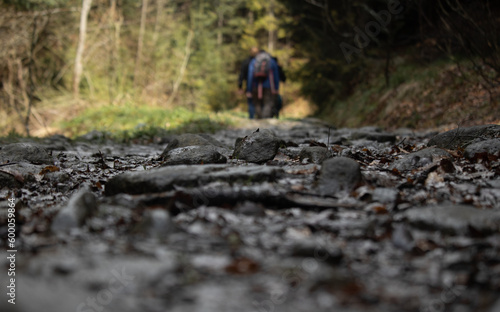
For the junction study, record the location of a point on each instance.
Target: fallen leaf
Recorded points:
(242, 266)
(49, 169)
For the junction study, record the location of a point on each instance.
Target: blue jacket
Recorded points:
(266, 84)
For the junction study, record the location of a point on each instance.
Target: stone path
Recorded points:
(273, 216)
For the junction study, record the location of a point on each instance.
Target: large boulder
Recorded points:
(461, 137)
(258, 147)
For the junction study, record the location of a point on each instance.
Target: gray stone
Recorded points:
(385, 195)
(461, 137)
(189, 139)
(292, 152)
(258, 147)
(193, 155)
(79, 208)
(453, 218)
(491, 146)
(339, 174)
(313, 154)
(156, 223)
(420, 159)
(164, 179)
(25, 152)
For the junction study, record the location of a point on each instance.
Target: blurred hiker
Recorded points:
(244, 77)
(279, 99)
(263, 84)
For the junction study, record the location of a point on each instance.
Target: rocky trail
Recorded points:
(275, 216)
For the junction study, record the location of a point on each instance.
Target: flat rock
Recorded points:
(454, 219)
(339, 174)
(313, 154)
(420, 159)
(258, 147)
(25, 152)
(193, 155)
(164, 179)
(491, 147)
(462, 137)
(189, 139)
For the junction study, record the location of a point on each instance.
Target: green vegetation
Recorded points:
(143, 62)
(130, 122)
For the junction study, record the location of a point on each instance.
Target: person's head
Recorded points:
(254, 51)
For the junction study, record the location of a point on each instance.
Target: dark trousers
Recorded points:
(251, 108)
(263, 106)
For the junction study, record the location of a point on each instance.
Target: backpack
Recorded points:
(262, 66)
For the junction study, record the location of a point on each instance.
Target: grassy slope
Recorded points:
(437, 95)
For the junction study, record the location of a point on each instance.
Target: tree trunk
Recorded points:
(220, 23)
(182, 69)
(272, 30)
(31, 84)
(140, 42)
(81, 46)
(159, 15)
(113, 51)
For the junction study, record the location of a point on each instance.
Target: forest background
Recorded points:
(136, 67)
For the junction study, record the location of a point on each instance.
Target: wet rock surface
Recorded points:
(376, 226)
(258, 147)
(488, 148)
(193, 155)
